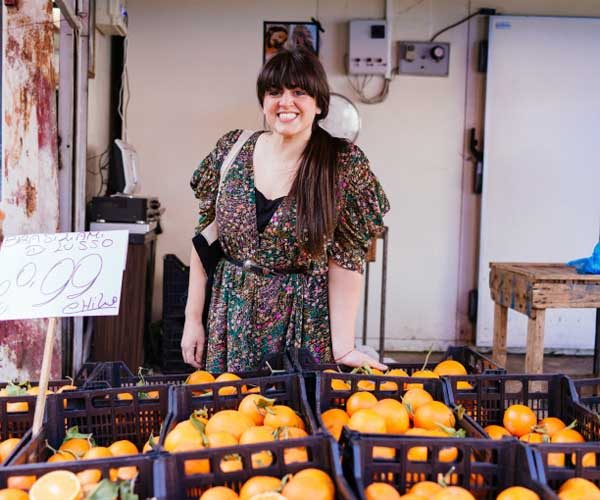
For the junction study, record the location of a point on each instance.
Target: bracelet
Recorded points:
(342, 357)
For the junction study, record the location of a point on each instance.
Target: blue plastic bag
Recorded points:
(588, 265)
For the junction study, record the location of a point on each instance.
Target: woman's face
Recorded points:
(290, 112)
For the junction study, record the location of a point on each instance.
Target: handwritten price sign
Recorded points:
(62, 274)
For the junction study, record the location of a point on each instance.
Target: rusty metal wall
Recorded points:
(29, 161)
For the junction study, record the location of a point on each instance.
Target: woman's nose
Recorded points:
(287, 97)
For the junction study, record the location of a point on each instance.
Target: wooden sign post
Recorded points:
(60, 275)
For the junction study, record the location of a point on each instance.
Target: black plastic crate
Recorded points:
(26, 464)
(171, 482)
(176, 277)
(286, 389)
(170, 347)
(484, 467)
(474, 362)
(587, 392)
(331, 398)
(546, 395)
(575, 460)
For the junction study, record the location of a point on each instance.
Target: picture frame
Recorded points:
(280, 35)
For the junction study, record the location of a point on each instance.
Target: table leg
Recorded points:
(500, 325)
(534, 359)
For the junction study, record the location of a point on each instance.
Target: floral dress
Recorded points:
(252, 314)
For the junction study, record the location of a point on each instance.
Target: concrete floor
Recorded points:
(575, 366)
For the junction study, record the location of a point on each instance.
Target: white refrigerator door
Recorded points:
(541, 187)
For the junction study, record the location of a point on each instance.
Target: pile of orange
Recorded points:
(311, 483)
(16, 389)
(77, 446)
(521, 421)
(203, 377)
(447, 367)
(256, 420)
(428, 490)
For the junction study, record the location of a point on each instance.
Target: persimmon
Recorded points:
(519, 420)
(381, 491)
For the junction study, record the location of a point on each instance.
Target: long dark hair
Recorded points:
(314, 186)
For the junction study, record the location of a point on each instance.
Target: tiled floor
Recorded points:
(576, 366)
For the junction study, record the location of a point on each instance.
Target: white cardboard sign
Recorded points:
(62, 274)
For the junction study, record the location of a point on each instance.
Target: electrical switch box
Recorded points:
(369, 51)
(424, 58)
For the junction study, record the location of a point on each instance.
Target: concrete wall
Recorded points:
(193, 66)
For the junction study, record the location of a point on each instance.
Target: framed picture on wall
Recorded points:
(280, 35)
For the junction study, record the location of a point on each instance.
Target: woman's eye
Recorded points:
(274, 93)
(299, 92)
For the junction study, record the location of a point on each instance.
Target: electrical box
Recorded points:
(369, 51)
(424, 58)
(111, 17)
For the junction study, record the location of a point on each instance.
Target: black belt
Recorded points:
(253, 267)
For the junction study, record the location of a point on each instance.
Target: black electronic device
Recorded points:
(120, 208)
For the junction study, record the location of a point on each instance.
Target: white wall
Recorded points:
(98, 115)
(193, 66)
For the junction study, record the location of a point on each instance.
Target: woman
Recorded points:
(302, 207)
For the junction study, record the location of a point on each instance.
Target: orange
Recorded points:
(20, 482)
(381, 491)
(123, 447)
(311, 483)
(62, 456)
(517, 493)
(396, 372)
(336, 383)
(58, 484)
(449, 367)
(452, 493)
(295, 455)
(360, 400)
(259, 484)
(34, 391)
(231, 421)
(334, 420)
(578, 483)
(395, 414)
(89, 476)
(290, 433)
(367, 421)
(219, 439)
(123, 473)
(257, 434)
(199, 466)
(253, 406)
(496, 431)
(551, 425)
(183, 432)
(97, 452)
(421, 374)
(567, 435)
(231, 463)
(425, 489)
(533, 437)
(7, 447)
(77, 446)
(519, 420)
(13, 494)
(415, 398)
(230, 389)
(282, 416)
(219, 493)
(417, 453)
(579, 495)
(200, 377)
(432, 414)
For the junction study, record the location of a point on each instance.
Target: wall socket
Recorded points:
(424, 58)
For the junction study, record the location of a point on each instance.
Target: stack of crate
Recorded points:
(175, 288)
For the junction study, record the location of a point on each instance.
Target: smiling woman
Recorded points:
(296, 210)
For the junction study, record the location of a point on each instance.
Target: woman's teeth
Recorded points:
(287, 117)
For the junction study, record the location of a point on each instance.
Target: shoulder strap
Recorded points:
(231, 156)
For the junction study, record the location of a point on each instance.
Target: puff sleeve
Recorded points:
(362, 205)
(205, 179)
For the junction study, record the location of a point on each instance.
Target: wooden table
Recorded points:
(530, 289)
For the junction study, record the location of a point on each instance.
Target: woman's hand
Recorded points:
(357, 359)
(192, 342)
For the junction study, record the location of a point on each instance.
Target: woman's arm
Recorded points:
(192, 340)
(344, 295)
